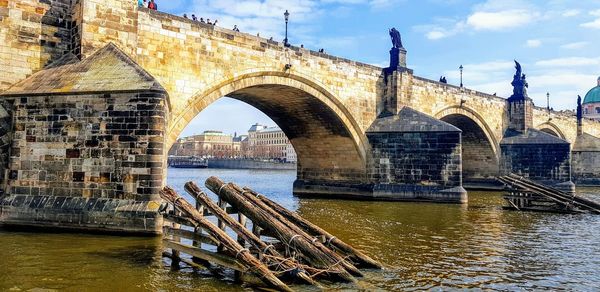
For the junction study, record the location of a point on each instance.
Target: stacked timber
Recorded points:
(527, 195)
(281, 247)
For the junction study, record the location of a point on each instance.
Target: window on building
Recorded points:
(598, 110)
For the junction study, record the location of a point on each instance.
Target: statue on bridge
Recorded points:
(396, 39)
(519, 82)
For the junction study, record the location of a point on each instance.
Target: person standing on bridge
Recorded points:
(152, 5)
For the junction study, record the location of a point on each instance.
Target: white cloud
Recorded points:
(436, 35)
(568, 62)
(570, 13)
(533, 43)
(477, 73)
(574, 46)
(443, 29)
(595, 24)
(592, 24)
(500, 20)
(492, 15)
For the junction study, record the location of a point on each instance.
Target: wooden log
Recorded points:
(196, 237)
(252, 264)
(176, 258)
(314, 256)
(210, 256)
(560, 197)
(243, 233)
(346, 264)
(187, 262)
(178, 219)
(315, 230)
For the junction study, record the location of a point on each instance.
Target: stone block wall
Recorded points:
(541, 162)
(586, 167)
(91, 158)
(520, 115)
(105, 21)
(99, 145)
(32, 34)
(413, 165)
(5, 140)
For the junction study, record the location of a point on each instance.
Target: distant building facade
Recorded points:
(591, 103)
(262, 142)
(208, 144)
(269, 143)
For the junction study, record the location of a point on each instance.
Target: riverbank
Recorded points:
(249, 164)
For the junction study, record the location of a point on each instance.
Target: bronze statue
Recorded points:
(396, 39)
(579, 110)
(519, 82)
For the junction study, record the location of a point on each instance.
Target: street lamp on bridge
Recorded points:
(287, 17)
(461, 75)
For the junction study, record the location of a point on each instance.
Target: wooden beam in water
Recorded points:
(197, 237)
(212, 257)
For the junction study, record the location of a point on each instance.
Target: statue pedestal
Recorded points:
(397, 57)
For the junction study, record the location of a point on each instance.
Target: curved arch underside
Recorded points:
(324, 146)
(480, 163)
(549, 131)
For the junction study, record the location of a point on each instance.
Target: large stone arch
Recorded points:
(552, 129)
(329, 142)
(479, 145)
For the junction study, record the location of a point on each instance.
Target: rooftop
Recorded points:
(107, 70)
(593, 96)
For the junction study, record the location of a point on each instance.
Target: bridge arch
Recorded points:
(329, 143)
(552, 129)
(479, 145)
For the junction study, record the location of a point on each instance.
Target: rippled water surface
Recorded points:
(428, 246)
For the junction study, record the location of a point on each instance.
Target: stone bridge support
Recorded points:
(84, 155)
(6, 133)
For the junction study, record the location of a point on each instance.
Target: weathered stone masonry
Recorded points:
(86, 158)
(416, 157)
(34, 33)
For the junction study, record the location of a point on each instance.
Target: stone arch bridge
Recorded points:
(95, 92)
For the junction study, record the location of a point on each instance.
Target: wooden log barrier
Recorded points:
(314, 256)
(251, 263)
(244, 233)
(315, 230)
(316, 243)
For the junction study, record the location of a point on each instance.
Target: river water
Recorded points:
(428, 246)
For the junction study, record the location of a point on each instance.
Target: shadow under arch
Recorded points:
(329, 143)
(552, 129)
(480, 157)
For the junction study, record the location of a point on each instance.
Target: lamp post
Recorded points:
(287, 17)
(548, 105)
(461, 75)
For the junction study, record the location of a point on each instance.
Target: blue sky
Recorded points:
(557, 42)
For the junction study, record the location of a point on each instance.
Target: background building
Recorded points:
(269, 143)
(591, 103)
(208, 144)
(262, 142)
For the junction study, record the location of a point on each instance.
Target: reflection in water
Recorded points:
(426, 245)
